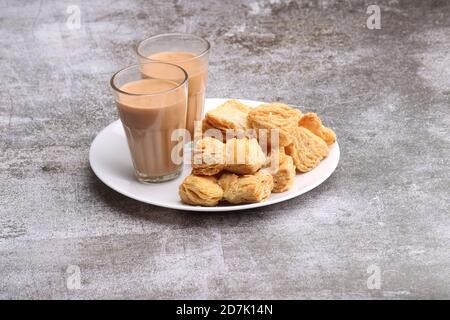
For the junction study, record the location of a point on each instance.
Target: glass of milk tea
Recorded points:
(153, 109)
(189, 52)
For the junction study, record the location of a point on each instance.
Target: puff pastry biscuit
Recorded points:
(307, 149)
(230, 115)
(200, 191)
(223, 135)
(246, 189)
(313, 123)
(206, 125)
(275, 116)
(208, 157)
(284, 174)
(244, 156)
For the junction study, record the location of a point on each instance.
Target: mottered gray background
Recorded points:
(378, 228)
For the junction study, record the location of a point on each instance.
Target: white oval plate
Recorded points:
(111, 162)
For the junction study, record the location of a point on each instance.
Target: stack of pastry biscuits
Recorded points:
(236, 169)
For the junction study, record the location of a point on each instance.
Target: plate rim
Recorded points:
(184, 207)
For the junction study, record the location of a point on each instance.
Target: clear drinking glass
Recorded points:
(151, 107)
(189, 52)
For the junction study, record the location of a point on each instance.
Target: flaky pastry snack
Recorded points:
(282, 170)
(206, 126)
(223, 135)
(230, 115)
(275, 116)
(313, 123)
(208, 157)
(200, 191)
(231, 149)
(306, 149)
(244, 156)
(247, 188)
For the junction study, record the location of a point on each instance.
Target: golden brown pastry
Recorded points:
(313, 123)
(282, 170)
(224, 135)
(206, 125)
(306, 149)
(230, 115)
(275, 116)
(200, 191)
(227, 179)
(208, 157)
(246, 189)
(244, 156)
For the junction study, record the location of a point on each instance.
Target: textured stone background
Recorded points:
(386, 92)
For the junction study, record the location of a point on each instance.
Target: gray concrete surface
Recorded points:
(386, 92)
